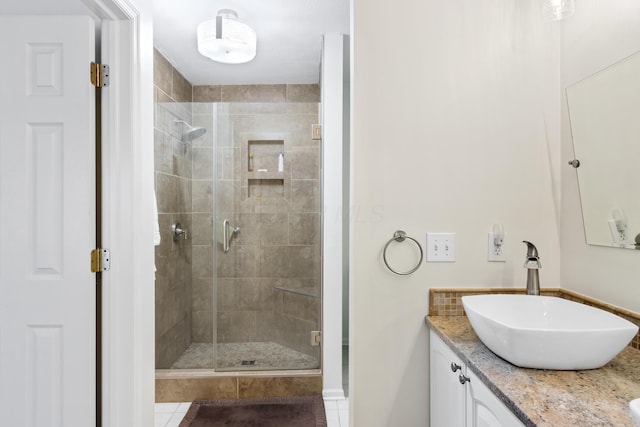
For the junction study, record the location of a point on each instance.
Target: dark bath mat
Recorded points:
(307, 411)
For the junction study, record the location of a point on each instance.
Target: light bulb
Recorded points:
(620, 219)
(498, 234)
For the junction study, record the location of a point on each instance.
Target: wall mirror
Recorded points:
(604, 111)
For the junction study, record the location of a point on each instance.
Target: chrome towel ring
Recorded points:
(401, 236)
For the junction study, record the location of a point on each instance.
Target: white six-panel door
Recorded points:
(47, 222)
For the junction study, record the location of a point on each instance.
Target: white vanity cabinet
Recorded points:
(458, 397)
(447, 394)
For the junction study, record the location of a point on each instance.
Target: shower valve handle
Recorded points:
(178, 232)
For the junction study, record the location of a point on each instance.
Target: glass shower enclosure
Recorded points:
(245, 290)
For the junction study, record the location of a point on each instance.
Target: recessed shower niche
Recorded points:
(264, 171)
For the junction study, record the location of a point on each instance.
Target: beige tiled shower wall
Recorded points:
(173, 175)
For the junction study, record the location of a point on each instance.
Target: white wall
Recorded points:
(455, 126)
(599, 34)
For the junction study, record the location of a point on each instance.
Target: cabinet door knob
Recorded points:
(455, 367)
(463, 379)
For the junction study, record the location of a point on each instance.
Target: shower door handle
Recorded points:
(227, 234)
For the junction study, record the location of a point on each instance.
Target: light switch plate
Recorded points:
(441, 247)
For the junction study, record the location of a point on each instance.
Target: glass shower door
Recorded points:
(267, 245)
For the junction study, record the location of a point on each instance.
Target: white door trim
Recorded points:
(333, 191)
(128, 377)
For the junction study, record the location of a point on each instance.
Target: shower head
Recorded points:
(190, 132)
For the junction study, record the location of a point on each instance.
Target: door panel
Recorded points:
(268, 283)
(47, 221)
(484, 409)
(447, 395)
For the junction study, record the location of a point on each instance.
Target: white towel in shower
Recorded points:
(156, 224)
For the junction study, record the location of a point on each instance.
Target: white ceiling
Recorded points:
(289, 38)
(289, 35)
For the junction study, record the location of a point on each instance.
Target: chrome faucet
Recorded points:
(532, 264)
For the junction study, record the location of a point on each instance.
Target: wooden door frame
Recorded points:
(128, 373)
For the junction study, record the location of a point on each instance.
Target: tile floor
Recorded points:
(170, 414)
(337, 412)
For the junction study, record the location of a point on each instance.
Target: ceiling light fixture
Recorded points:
(226, 39)
(556, 10)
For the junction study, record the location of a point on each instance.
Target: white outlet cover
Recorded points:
(441, 247)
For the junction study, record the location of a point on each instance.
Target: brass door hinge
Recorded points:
(100, 260)
(99, 75)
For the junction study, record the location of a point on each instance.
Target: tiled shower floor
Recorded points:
(264, 355)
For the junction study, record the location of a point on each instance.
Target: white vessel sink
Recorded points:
(547, 332)
(634, 406)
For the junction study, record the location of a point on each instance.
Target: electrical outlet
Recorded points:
(441, 247)
(496, 253)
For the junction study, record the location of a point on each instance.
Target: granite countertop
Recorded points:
(598, 397)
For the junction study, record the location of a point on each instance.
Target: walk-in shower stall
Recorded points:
(238, 262)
